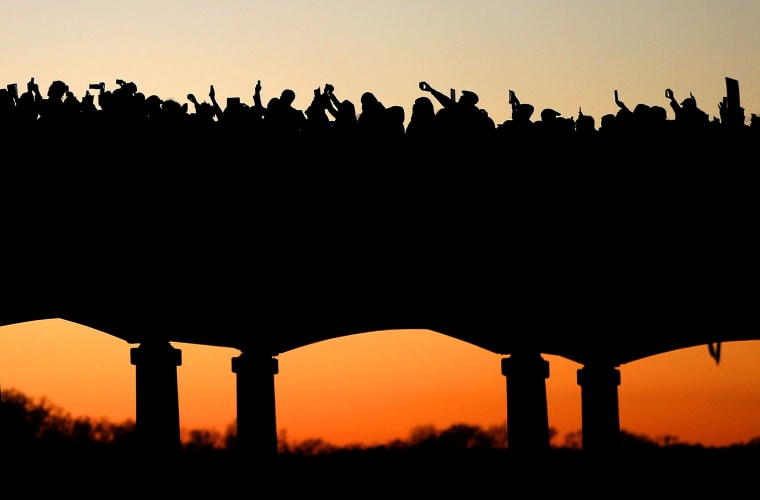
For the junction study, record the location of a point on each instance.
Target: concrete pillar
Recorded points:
(157, 397)
(600, 413)
(256, 412)
(527, 414)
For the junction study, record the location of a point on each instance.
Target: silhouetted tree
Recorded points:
(38, 424)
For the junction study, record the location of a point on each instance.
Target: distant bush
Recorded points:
(28, 424)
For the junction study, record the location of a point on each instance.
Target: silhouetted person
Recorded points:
(345, 123)
(284, 120)
(317, 125)
(585, 125)
(461, 118)
(422, 128)
(204, 114)
(624, 115)
(688, 116)
(51, 109)
(26, 106)
(371, 120)
(519, 127)
(395, 117)
(637, 124)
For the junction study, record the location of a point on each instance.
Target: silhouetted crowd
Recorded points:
(128, 125)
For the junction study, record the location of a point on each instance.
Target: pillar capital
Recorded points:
(525, 364)
(599, 375)
(247, 363)
(155, 353)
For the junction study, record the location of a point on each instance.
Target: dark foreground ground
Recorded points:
(672, 472)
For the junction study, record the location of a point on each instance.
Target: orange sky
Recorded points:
(371, 388)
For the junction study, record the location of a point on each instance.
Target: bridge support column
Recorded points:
(600, 415)
(256, 410)
(527, 414)
(157, 397)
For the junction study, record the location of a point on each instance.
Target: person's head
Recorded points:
(549, 114)
(173, 109)
(57, 90)
(423, 106)
(523, 112)
(658, 114)
(396, 115)
(469, 98)
(689, 103)
(369, 101)
(346, 109)
(642, 113)
(153, 104)
(204, 111)
(273, 104)
(287, 97)
(607, 122)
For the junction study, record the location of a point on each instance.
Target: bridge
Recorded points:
(600, 264)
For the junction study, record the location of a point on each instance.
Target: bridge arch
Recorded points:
(625, 367)
(424, 367)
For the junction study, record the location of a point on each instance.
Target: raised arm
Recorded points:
(217, 109)
(442, 98)
(620, 104)
(672, 100)
(332, 103)
(257, 95)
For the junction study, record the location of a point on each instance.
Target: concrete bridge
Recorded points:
(601, 268)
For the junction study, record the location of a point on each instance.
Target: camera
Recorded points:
(13, 89)
(120, 82)
(98, 86)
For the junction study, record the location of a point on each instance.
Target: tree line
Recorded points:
(41, 425)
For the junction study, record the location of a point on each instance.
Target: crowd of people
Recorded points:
(457, 125)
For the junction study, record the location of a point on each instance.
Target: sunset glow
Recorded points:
(375, 387)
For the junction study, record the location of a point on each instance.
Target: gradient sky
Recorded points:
(373, 387)
(553, 53)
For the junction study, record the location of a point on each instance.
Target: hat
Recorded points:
(471, 96)
(548, 114)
